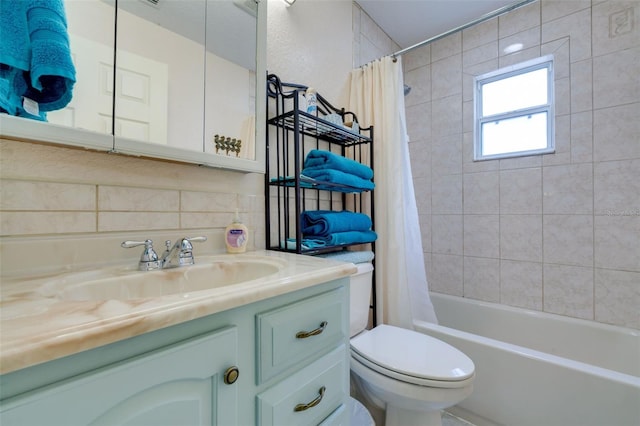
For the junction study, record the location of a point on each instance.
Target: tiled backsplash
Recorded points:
(558, 233)
(63, 207)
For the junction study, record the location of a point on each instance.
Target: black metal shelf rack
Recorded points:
(291, 134)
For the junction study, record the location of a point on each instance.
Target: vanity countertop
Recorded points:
(37, 327)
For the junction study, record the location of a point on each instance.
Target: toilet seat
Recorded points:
(412, 357)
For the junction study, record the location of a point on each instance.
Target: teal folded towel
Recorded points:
(322, 223)
(320, 159)
(350, 237)
(330, 176)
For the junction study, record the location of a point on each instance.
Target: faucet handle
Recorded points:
(200, 239)
(185, 243)
(149, 259)
(185, 256)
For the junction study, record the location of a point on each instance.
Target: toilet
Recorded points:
(408, 376)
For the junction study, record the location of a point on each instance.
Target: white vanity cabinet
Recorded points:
(185, 374)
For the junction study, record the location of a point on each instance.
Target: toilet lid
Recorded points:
(412, 354)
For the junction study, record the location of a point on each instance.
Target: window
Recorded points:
(514, 112)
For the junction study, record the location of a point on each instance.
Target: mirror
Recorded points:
(230, 101)
(185, 85)
(91, 28)
(196, 53)
(160, 80)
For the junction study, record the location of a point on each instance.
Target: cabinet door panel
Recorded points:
(184, 402)
(183, 381)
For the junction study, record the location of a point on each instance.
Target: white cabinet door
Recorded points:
(183, 384)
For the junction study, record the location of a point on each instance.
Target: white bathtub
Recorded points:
(539, 369)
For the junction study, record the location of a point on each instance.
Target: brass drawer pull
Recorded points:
(231, 375)
(303, 407)
(305, 334)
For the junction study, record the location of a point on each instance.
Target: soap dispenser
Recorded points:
(236, 236)
(312, 100)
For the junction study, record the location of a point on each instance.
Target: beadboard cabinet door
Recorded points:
(182, 384)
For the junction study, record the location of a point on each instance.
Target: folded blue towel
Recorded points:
(355, 183)
(320, 159)
(321, 223)
(350, 237)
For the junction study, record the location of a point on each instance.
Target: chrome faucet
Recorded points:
(180, 254)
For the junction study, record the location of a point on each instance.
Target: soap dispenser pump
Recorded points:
(236, 236)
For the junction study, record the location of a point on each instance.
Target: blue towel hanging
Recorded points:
(52, 71)
(35, 56)
(15, 48)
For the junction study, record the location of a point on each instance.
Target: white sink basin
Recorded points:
(208, 273)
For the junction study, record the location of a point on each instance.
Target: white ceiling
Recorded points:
(409, 22)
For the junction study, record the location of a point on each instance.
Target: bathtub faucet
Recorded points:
(180, 254)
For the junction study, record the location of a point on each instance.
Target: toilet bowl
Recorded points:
(408, 375)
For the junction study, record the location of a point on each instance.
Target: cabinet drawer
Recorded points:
(293, 333)
(318, 390)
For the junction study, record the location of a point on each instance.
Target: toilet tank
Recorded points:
(360, 298)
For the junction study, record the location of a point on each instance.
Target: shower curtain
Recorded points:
(377, 98)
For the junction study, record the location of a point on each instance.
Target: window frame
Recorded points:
(543, 62)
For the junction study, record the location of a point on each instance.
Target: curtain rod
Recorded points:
(486, 17)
